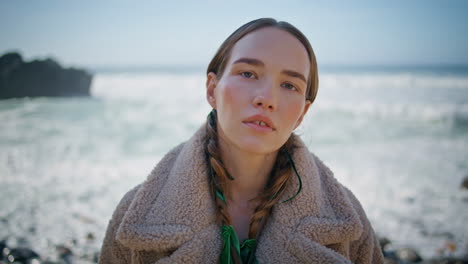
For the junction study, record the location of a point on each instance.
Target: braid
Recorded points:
(281, 173)
(218, 174)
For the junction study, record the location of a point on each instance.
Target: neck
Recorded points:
(250, 171)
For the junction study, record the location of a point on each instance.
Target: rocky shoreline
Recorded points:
(65, 255)
(406, 255)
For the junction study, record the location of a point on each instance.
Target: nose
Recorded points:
(266, 97)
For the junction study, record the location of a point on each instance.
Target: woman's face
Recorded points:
(260, 98)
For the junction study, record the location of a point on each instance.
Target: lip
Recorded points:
(270, 126)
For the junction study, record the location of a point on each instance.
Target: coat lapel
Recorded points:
(313, 225)
(173, 212)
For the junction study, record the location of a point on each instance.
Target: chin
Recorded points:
(256, 145)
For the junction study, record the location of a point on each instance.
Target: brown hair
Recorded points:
(281, 172)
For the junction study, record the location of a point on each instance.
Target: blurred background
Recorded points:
(390, 118)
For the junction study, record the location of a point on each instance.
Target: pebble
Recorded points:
(464, 184)
(384, 242)
(65, 253)
(90, 236)
(408, 254)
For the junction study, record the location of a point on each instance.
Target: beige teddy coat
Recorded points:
(170, 218)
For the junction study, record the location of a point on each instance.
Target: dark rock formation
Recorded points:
(40, 78)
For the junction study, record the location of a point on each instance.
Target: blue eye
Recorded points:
(290, 86)
(248, 75)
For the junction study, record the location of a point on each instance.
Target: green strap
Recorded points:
(220, 195)
(298, 177)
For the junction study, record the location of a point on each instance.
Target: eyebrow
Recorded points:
(294, 74)
(260, 63)
(250, 61)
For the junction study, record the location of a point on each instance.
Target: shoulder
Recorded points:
(328, 176)
(156, 175)
(356, 204)
(366, 248)
(122, 208)
(112, 251)
(125, 202)
(327, 173)
(164, 164)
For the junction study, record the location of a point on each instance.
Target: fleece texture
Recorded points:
(170, 217)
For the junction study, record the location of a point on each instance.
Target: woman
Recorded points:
(244, 188)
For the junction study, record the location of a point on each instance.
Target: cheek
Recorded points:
(293, 110)
(232, 96)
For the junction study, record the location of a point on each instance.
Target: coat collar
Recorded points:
(174, 204)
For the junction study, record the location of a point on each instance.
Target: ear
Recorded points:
(306, 108)
(211, 83)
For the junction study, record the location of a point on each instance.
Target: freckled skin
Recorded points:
(245, 90)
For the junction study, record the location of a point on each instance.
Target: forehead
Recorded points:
(277, 48)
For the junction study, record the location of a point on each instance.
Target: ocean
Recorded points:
(396, 136)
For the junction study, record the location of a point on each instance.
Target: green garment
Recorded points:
(245, 252)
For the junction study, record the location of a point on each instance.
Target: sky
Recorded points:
(187, 33)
